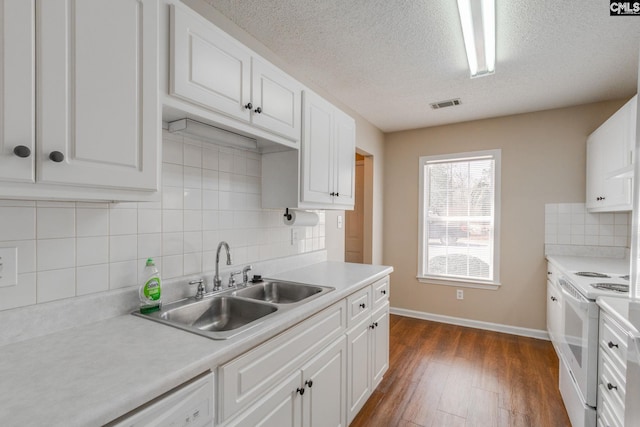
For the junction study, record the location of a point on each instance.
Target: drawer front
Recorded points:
(249, 376)
(380, 292)
(552, 273)
(607, 415)
(612, 381)
(358, 306)
(614, 340)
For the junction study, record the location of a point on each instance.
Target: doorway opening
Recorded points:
(359, 221)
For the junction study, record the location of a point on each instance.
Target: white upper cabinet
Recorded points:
(610, 151)
(328, 154)
(97, 127)
(211, 69)
(17, 85)
(322, 175)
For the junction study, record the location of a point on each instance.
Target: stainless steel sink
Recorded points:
(281, 292)
(230, 312)
(217, 317)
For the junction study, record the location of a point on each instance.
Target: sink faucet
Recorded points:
(217, 281)
(245, 275)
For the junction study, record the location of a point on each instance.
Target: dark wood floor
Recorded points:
(447, 376)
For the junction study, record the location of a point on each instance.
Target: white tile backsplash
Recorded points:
(210, 193)
(572, 224)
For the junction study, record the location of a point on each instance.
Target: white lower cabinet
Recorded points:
(367, 348)
(612, 369)
(315, 374)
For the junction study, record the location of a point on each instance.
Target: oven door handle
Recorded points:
(583, 305)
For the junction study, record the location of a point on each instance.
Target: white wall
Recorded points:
(210, 193)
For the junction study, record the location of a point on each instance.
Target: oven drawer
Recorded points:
(580, 414)
(613, 340)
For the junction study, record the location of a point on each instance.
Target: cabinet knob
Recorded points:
(337, 194)
(300, 391)
(22, 151)
(611, 386)
(611, 344)
(258, 110)
(371, 326)
(363, 305)
(248, 106)
(554, 299)
(332, 194)
(375, 324)
(56, 156)
(309, 383)
(549, 273)
(383, 292)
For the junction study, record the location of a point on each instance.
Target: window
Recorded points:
(459, 219)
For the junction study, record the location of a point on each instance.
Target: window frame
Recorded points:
(422, 276)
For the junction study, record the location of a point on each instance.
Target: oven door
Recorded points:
(579, 341)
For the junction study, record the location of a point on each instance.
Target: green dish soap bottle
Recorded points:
(150, 292)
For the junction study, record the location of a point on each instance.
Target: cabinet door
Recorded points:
(380, 344)
(279, 408)
(97, 103)
(345, 152)
(17, 83)
(323, 404)
(208, 67)
(358, 368)
(595, 170)
(317, 153)
(276, 100)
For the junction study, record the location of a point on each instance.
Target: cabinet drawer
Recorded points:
(249, 376)
(611, 382)
(358, 306)
(552, 273)
(607, 415)
(614, 341)
(380, 292)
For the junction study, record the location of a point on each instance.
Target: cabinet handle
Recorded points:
(337, 194)
(383, 292)
(309, 383)
(300, 391)
(611, 386)
(363, 305)
(554, 299)
(371, 326)
(332, 194)
(258, 110)
(549, 273)
(611, 344)
(56, 156)
(22, 151)
(249, 106)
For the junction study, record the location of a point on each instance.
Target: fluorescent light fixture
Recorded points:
(478, 20)
(208, 133)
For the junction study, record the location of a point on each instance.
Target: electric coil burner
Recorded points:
(592, 274)
(618, 287)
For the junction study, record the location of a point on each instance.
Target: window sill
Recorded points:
(459, 283)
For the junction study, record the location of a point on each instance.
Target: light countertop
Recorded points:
(92, 374)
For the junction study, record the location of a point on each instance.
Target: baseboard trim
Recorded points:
(496, 327)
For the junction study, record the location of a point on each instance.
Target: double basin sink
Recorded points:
(225, 314)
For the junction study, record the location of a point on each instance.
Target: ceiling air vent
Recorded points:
(447, 103)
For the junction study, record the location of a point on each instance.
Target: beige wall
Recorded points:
(543, 161)
(369, 139)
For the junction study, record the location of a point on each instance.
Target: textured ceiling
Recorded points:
(388, 59)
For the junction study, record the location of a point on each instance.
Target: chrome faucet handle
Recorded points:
(232, 280)
(245, 274)
(200, 290)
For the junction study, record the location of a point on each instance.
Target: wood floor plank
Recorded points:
(446, 375)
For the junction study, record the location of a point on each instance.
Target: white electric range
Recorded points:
(579, 281)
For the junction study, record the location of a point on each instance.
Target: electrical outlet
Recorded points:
(8, 267)
(459, 294)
